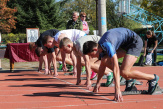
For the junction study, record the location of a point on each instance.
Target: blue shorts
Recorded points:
(132, 48)
(135, 47)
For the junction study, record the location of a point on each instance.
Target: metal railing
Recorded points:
(149, 20)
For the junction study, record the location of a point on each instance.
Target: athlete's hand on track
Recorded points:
(118, 96)
(96, 88)
(74, 72)
(64, 68)
(88, 84)
(46, 72)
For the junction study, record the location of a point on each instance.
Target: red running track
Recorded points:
(30, 89)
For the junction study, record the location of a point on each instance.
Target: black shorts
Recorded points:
(51, 50)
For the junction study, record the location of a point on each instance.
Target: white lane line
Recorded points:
(12, 95)
(69, 84)
(126, 101)
(82, 88)
(20, 90)
(100, 103)
(86, 91)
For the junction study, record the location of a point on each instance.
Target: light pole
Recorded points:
(102, 24)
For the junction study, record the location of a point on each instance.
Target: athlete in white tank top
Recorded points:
(72, 34)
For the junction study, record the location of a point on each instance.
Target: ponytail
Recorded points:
(149, 32)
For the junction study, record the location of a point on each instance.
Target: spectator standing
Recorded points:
(151, 40)
(75, 23)
(85, 24)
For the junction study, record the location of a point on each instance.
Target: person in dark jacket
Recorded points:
(151, 41)
(75, 23)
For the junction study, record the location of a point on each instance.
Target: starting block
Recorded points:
(122, 82)
(59, 70)
(103, 85)
(134, 91)
(70, 73)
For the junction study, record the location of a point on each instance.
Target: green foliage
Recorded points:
(10, 38)
(153, 6)
(14, 38)
(91, 28)
(22, 38)
(42, 14)
(48, 14)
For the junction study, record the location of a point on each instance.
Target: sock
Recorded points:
(108, 74)
(60, 62)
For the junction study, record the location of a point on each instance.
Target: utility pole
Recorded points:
(102, 24)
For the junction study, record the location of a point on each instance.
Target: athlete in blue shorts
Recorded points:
(117, 43)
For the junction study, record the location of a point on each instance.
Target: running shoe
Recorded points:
(152, 84)
(60, 66)
(155, 64)
(83, 69)
(70, 68)
(129, 84)
(93, 75)
(109, 80)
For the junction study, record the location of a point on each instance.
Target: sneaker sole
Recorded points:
(155, 86)
(133, 84)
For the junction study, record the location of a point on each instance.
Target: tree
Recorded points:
(153, 6)
(43, 14)
(7, 18)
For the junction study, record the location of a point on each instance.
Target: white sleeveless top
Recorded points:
(80, 42)
(72, 34)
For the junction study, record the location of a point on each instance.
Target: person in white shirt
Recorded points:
(73, 35)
